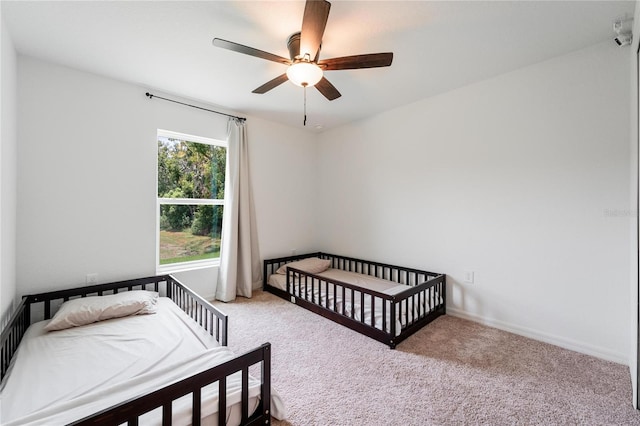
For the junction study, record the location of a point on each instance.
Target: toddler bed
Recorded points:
(130, 356)
(385, 302)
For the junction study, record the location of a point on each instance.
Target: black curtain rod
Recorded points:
(151, 96)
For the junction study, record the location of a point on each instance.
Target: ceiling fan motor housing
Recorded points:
(293, 44)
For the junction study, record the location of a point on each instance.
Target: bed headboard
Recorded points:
(270, 266)
(12, 335)
(42, 306)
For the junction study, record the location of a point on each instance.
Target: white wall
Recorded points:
(633, 299)
(523, 179)
(87, 177)
(284, 167)
(8, 173)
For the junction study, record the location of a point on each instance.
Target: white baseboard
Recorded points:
(596, 351)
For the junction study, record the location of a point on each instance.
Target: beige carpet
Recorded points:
(452, 372)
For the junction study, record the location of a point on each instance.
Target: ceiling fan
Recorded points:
(305, 67)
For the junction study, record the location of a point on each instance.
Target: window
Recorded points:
(191, 173)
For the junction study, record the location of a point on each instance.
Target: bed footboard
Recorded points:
(128, 412)
(388, 318)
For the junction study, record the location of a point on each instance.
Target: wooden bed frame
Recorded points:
(426, 288)
(39, 307)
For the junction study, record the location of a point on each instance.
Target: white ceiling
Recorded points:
(438, 46)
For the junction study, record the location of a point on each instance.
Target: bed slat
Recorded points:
(245, 395)
(222, 401)
(195, 411)
(167, 414)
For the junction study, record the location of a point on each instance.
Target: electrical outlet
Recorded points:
(92, 278)
(468, 277)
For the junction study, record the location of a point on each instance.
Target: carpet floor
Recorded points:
(452, 372)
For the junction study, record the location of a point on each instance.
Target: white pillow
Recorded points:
(87, 310)
(312, 265)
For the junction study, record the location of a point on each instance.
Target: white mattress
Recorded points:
(320, 294)
(62, 376)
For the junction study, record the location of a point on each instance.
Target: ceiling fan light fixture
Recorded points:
(304, 74)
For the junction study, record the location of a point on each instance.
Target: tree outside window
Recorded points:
(191, 181)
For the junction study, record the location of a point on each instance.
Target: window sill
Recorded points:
(187, 266)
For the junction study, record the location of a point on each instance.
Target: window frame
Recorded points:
(193, 264)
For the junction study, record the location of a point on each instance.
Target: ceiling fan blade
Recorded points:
(327, 89)
(314, 20)
(271, 84)
(372, 60)
(218, 42)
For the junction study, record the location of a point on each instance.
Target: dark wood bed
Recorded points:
(39, 307)
(388, 318)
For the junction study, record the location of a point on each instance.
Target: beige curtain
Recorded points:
(239, 270)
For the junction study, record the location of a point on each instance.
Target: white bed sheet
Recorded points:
(321, 295)
(53, 381)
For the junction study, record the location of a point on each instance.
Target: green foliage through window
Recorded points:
(189, 171)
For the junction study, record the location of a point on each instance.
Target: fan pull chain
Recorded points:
(304, 123)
